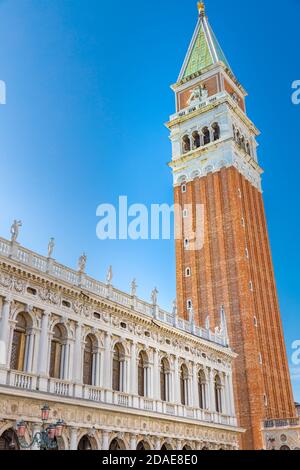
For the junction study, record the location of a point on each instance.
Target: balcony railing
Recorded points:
(63, 388)
(60, 272)
(281, 423)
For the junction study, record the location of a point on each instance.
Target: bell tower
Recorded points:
(215, 165)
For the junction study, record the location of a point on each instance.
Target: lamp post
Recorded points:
(46, 438)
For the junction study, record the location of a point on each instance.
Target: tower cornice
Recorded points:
(183, 116)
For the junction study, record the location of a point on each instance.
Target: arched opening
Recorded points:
(187, 448)
(117, 444)
(164, 379)
(206, 135)
(242, 143)
(216, 131)
(218, 394)
(202, 390)
(238, 137)
(248, 148)
(196, 140)
(84, 443)
(143, 445)
(205, 448)
(118, 367)
(20, 343)
(58, 352)
(166, 446)
(89, 360)
(9, 440)
(285, 448)
(184, 378)
(143, 374)
(186, 144)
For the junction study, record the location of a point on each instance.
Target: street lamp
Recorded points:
(46, 438)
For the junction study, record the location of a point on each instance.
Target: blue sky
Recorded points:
(87, 96)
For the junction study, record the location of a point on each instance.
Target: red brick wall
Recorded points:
(221, 273)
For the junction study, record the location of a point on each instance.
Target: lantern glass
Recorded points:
(51, 432)
(59, 428)
(45, 413)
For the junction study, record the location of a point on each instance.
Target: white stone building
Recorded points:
(122, 373)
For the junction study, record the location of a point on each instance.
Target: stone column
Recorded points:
(176, 381)
(97, 368)
(73, 438)
(29, 351)
(156, 375)
(195, 389)
(133, 371)
(77, 361)
(107, 369)
(43, 346)
(4, 332)
(211, 389)
(157, 444)
(133, 442)
(105, 440)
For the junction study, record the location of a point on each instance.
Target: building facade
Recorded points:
(215, 167)
(122, 373)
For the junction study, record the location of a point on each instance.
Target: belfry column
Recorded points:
(4, 333)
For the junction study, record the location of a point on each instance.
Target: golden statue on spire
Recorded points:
(201, 8)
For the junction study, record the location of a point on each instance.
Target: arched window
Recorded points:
(243, 144)
(9, 440)
(186, 144)
(206, 135)
(218, 394)
(248, 149)
(234, 131)
(58, 347)
(143, 445)
(187, 272)
(89, 360)
(196, 140)
(166, 446)
(216, 131)
(20, 342)
(118, 368)
(117, 444)
(238, 137)
(142, 374)
(202, 390)
(187, 448)
(164, 380)
(184, 378)
(84, 443)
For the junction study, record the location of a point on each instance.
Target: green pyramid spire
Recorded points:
(200, 56)
(204, 49)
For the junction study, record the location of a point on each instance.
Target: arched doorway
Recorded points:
(187, 448)
(9, 440)
(117, 444)
(143, 445)
(285, 448)
(165, 447)
(84, 443)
